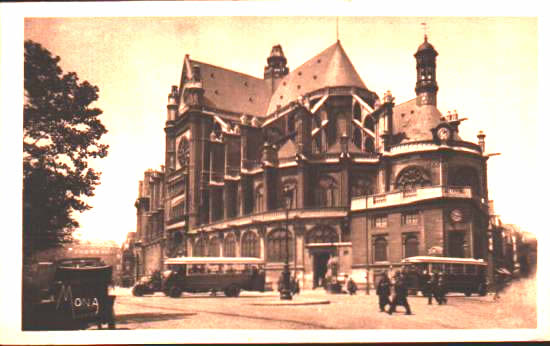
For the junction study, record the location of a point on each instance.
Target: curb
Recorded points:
(292, 302)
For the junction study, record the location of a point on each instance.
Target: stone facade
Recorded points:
(370, 182)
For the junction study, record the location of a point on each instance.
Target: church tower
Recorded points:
(276, 67)
(426, 84)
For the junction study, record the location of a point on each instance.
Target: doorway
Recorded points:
(320, 267)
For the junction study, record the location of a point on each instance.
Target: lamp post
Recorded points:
(285, 290)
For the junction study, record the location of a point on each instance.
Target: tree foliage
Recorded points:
(61, 133)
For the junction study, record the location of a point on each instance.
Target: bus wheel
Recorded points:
(467, 293)
(175, 292)
(232, 291)
(137, 291)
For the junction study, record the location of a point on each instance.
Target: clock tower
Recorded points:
(426, 84)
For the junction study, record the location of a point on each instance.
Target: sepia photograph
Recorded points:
(237, 172)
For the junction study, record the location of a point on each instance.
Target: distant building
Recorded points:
(128, 273)
(371, 182)
(108, 252)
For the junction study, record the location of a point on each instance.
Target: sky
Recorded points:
(486, 70)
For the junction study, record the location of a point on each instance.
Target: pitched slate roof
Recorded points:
(415, 122)
(232, 91)
(330, 68)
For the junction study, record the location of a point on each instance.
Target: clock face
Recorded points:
(456, 215)
(443, 133)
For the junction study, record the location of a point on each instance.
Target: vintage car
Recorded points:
(75, 297)
(148, 284)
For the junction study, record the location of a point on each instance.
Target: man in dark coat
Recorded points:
(400, 295)
(441, 289)
(431, 286)
(383, 291)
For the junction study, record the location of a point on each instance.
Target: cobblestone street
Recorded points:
(252, 310)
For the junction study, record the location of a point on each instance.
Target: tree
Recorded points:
(61, 133)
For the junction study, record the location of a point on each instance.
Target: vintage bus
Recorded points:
(213, 274)
(465, 275)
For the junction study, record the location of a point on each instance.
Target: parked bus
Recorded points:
(465, 275)
(212, 274)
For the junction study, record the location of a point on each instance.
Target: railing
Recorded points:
(275, 216)
(430, 146)
(420, 194)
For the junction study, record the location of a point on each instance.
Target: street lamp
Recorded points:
(285, 290)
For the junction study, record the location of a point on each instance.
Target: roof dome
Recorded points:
(426, 46)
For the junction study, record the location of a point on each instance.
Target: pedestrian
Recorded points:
(383, 291)
(351, 287)
(499, 285)
(431, 287)
(441, 289)
(400, 295)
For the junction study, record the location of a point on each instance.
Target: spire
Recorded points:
(276, 67)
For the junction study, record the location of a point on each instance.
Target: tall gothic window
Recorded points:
(229, 245)
(411, 178)
(410, 245)
(276, 246)
(259, 199)
(291, 124)
(323, 234)
(250, 246)
(214, 247)
(357, 139)
(289, 186)
(199, 250)
(327, 192)
(380, 249)
(466, 176)
(183, 152)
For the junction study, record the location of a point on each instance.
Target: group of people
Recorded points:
(435, 288)
(399, 296)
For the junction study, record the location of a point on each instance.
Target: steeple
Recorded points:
(276, 67)
(426, 84)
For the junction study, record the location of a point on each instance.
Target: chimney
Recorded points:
(481, 140)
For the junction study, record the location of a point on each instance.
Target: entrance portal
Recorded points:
(320, 261)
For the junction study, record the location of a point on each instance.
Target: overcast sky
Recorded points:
(486, 70)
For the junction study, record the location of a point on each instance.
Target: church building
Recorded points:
(314, 159)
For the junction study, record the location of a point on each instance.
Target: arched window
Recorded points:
(250, 246)
(229, 245)
(214, 247)
(276, 246)
(466, 177)
(380, 249)
(368, 144)
(323, 234)
(411, 178)
(410, 245)
(199, 250)
(289, 189)
(357, 112)
(259, 199)
(360, 187)
(327, 192)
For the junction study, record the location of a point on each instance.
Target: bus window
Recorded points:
(471, 269)
(457, 268)
(437, 267)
